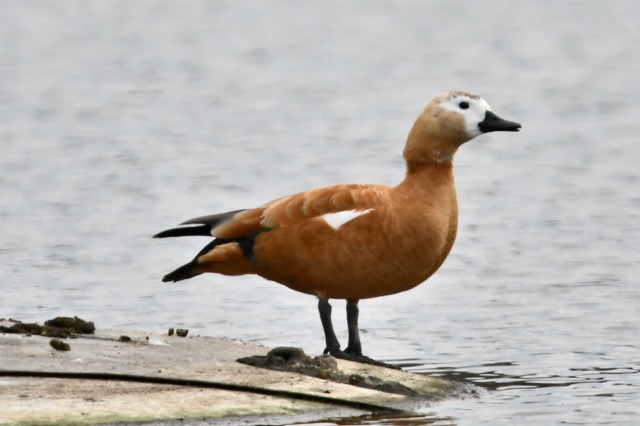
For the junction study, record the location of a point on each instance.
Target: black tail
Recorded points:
(204, 225)
(182, 273)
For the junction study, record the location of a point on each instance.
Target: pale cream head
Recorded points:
(471, 107)
(447, 122)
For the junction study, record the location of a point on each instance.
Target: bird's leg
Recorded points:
(354, 347)
(333, 346)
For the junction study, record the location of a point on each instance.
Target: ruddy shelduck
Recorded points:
(353, 241)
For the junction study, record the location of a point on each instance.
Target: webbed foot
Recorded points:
(358, 357)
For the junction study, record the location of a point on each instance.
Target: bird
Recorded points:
(353, 241)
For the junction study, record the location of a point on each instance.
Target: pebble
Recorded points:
(59, 345)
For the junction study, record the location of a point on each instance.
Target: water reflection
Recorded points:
(397, 419)
(495, 380)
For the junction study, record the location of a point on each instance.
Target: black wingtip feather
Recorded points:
(204, 230)
(204, 225)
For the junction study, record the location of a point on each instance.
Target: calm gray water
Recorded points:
(119, 119)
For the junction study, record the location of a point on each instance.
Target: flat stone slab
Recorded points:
(49, 400)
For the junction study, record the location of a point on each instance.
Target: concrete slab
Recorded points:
(29, 400)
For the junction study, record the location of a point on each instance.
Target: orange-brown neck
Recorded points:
(434, 139)
(429, 176)
(431, 182)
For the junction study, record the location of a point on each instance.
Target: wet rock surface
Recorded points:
(294, 360)
(38, 400)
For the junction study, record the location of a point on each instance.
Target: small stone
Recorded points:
(124, 338)
(59, 345)
(182, 332)
(171, 331)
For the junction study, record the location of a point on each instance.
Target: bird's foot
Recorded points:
(358, 357)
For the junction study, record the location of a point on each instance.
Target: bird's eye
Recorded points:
(464, 105)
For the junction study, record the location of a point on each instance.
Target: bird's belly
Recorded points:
(355, 264)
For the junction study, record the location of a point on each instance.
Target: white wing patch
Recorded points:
(336, 220)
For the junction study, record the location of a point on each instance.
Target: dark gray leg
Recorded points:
(354, 347)
(325, 317)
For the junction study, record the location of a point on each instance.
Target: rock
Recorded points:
(74, 325)
(294, 360)
(59, 327)
(23, 328)
(59, 345)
